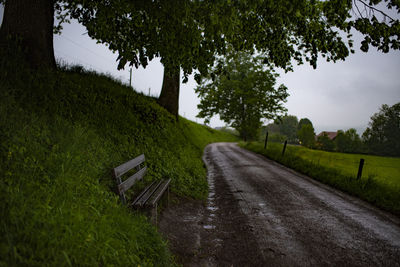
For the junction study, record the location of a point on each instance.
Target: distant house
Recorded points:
(331, 135)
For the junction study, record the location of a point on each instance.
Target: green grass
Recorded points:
(379, 184)
(385, 170)
(61, 134)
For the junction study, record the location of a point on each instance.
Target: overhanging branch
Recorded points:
(373, 9)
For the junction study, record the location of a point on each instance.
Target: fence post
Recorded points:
(360, 168)
(284, 148)
(266, 141)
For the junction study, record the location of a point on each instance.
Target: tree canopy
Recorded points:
(302, 122)
(383, 134)
(180, 31)
(288, 126)
(242, 95)
(348, 141)
(191, 34)
(306, 135)
(324, 142)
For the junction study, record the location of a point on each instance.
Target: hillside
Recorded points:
(61, 134)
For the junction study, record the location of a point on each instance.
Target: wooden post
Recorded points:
(284, 148)
(360, 168)
(266, 141)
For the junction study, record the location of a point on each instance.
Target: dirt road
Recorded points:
(259, 213)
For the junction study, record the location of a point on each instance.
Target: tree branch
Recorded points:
(373, 9)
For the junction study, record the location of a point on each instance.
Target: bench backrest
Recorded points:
(119, 171)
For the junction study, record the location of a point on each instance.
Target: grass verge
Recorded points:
(379, 185)
(61, 134)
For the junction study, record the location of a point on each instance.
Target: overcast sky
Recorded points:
(335, 96)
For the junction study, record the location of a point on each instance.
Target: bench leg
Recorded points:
(154, 209)
(156, 212)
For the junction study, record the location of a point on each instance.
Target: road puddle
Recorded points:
(211, 197)
(190, 218)
(211, 208)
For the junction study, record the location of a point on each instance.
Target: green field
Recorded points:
(379, 184)
(384, 169)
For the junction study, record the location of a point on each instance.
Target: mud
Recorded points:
(260, 213)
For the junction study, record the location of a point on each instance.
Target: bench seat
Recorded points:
(151, 194)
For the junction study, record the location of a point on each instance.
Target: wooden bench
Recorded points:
(150, 196)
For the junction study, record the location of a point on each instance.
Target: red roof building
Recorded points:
(331, 135)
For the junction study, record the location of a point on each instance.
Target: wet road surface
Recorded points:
(260, 213)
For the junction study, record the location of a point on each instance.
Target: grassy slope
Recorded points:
(380, 183)
(61, 134)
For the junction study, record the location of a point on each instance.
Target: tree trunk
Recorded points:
(169, 97)
(31, 23)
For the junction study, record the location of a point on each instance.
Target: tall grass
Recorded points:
(379, 185)
(61, 134)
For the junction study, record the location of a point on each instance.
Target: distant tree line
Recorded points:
(382, 137)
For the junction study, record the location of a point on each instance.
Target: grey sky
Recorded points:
(335, 96)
